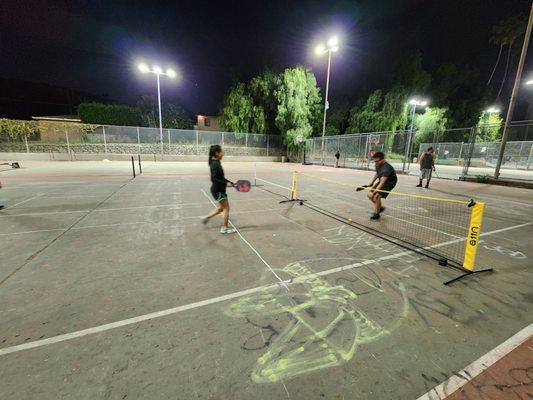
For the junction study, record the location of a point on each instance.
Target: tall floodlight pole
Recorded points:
(158, 72)
(332, 45)
(414, 103)
(514, 94)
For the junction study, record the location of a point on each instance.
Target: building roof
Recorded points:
(62, 118)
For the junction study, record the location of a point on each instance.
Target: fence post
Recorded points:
(268, 144)
(105, 140)
(168, 134)
(26, 141)
(246, 144)
(197, 148)
(222, 138)
(138, 141)
(68, 145)
(530, 155)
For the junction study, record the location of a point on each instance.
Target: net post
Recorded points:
(472, 240)
(140, 166)
(133, 165)
(294, 193)
(138, 141)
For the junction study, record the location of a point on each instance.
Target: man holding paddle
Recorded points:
(387, 179)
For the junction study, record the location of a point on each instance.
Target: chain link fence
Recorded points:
(42, 136)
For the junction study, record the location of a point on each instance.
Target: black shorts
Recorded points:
(386, 189)
(219, 194)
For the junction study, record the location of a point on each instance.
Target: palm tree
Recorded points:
(506, 32)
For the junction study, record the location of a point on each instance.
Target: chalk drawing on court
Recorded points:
(325, 325)
(503, 250)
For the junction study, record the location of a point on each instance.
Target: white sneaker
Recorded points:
(225, 230)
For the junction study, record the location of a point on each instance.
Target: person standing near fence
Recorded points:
(337, 157)
(1, 201)
(427, 166)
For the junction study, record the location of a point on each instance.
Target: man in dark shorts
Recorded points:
(387, 179)
(337, 157)
(427, 166)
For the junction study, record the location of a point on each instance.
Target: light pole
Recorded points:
(414, 103)
(332, 45)
(158, 72)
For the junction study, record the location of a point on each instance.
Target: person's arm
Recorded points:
(433, 162)
(218, 175)
(373, 179)
(381, 182)
(421, 160)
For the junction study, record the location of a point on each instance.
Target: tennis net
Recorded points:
(445, 229)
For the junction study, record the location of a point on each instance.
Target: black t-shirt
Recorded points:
(388, 171)
(217, 176)
(337, 155)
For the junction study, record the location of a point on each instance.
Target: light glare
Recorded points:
(530, 82)
(320, 49)
(143, 68)
(333, 42)
(171, 73)
(157, 69)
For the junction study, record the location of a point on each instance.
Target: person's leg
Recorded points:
(420, 177)
(215, 212)
(370, 196)
(377, 203)
(225, 213)
(428, 178)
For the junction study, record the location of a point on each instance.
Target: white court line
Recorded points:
(251, 200)
(249, 245)
(175, 310)
(130, 223)
(461, 378)
(24, 201)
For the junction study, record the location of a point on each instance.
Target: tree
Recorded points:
(17, 130)
(338, 115)
(505, 34)
(147, 104)
(460, 89)
(369, 118)
(429, 124)
(299, 104)
(239, 114)
(109, 114)
(262, 89)
(488, 127)
(175, 117)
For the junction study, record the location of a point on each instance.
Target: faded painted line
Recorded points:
(129, 223)
(214, 300)
(249, 245)
(24, 201)
(251, 200)
(461, 378)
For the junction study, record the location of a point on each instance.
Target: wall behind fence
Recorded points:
(83, 138)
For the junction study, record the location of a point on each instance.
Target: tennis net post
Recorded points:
(294, 191)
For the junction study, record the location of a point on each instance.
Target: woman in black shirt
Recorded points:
(218, 188)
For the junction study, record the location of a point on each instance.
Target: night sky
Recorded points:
(92, 46)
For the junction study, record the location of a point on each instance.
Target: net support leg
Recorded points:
(294, 191)
(468, 273)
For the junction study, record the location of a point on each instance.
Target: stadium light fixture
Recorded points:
(492, 110)
(332, 45)
(530, 82)
(158, 71)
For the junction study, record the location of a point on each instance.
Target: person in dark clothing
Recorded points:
(427, 166)
(218, 189)
(337, 157)
(387, 179)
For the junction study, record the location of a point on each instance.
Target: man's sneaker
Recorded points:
(382, 209)
(1, 206)
(375, 216)
(427, 186)
(419, 185)
(204, 220)
(225, 230)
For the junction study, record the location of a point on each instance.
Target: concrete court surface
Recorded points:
(110, 288)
